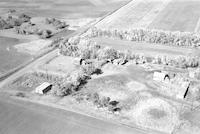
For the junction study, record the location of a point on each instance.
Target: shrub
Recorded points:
(108, 53)
(20, 94)
(24, 18)
(105, 101)
(45, 34)
(62, 89)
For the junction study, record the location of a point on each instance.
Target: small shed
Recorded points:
(43, 88)
(160, 76)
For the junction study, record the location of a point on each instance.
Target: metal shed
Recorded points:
(43, 88)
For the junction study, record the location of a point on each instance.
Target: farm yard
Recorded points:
(139, 66)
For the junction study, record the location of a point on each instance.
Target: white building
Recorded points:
(43, 88)
(160, 76)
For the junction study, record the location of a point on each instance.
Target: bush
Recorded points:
(62, 89)
(45, 34)
(20, 94)
(24, 18)
(108, 53)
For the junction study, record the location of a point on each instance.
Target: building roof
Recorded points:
(159, 76)
(43, 86)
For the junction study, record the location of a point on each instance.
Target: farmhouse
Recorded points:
(43, 88)
(160, 76)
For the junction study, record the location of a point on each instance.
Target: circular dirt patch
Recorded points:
(155, 113)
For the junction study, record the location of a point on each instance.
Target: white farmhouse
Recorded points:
(43, 88)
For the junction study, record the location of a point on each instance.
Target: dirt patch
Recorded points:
(155, 113)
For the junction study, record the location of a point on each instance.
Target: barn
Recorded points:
(43, 88)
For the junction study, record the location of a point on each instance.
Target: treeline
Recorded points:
(87, 49)
(150, 36)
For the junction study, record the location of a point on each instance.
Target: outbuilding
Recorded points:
(161, 76)
(43, 88)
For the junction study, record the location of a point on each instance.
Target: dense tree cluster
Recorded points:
(56, 23)
(29, 29)
(13, 21)
(150, 36)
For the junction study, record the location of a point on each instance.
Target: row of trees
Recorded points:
(87, 49)
(150, 36)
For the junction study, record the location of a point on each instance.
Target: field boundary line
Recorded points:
(197, 26)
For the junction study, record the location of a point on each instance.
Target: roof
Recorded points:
(158, 76)
(43, 86)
